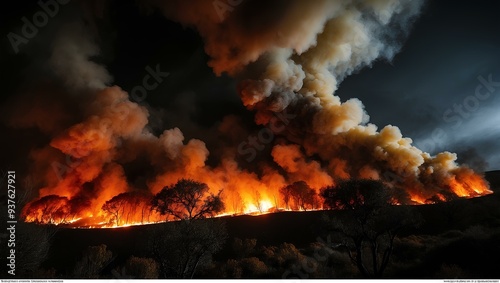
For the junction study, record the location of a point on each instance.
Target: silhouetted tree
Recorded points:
(300, 193)
(262, 262)
(370, 224)
(78, 205)
(143, 204)
(93, 261)
(257, 200)
(182, 247)
(283, 258)
(141, 268)
(253, 267)
(236, 202)
(287, 195)
(231, 269)
(138, 207)
(128, 207)
(116, 207)
(187, 199)
(51, 209)
(243, 248)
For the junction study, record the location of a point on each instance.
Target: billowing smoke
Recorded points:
(72, 49)
(289, 58)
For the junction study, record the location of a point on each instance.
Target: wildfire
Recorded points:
(469, 185)
(418, 199)
(134, 211)
(263, 206)
(109, 168)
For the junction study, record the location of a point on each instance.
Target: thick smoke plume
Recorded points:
(292, 56)
(289, 58)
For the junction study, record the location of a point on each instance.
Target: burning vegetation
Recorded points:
(105, 167)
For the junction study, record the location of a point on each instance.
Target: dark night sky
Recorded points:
(450, 46)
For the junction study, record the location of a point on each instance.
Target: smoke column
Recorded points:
(293, 56)
(288, 57)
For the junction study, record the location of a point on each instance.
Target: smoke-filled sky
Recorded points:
(450, 45)
(264, 93)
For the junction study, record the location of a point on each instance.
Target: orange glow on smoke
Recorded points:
(104, 168)
(88, 186)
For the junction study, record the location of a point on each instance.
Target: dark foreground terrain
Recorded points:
(458, 239)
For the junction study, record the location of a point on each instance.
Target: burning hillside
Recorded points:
(104, 165)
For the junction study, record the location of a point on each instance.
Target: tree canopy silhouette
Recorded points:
(187, 199)
(298, 196)
(371, 223)
(182, 248)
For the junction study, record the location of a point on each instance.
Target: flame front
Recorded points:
(135, 209)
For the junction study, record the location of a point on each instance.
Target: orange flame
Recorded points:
(57, 211)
